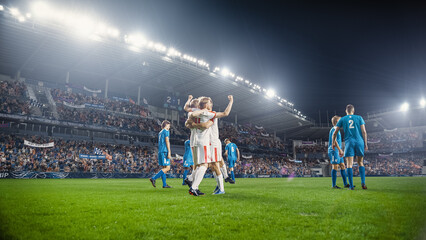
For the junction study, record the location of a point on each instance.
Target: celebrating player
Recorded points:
(355, 142)
(201, 146)
(164, 154)
(335, 159)
(233, 155)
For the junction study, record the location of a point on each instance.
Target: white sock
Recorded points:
(224, 171)
(220, 183)
(191, 177)
(199, 177)
(215, 178)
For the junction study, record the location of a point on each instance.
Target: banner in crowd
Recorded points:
(120, 99)
(89, 105)
(295, 161)
(391, 130)
(308, 143)
(265, 134)
(374, 141)
(74, 106)
(87, 156)
(247, 156)
(91, 90)
(39, 145)
(5, 125)
(258, 127)
(385, 155)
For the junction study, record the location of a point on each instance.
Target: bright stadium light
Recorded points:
(422, 103)
(28, 15)
(21, 19)
(136, 39)
(225, 72)
(404, 107)
(14, 12)
(270, 93)
(1, 8)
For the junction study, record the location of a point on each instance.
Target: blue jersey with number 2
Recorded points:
(351, 125)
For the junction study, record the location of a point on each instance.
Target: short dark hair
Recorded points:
(350, 108)
(164, 123)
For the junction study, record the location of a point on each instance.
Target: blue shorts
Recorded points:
(188, 162)
(334, 157)
(231, 163)
(354, 149)
(162, 159)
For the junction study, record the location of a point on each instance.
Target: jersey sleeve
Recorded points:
(211, 115)
(361, 121)
(235, 145)
(166, 134)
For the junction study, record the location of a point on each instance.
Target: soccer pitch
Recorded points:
(304, 208)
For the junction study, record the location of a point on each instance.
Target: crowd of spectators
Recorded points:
(397, 140)
(123, 106)
(12, 98)
(64, 157)
(251, 136)
(397, 164)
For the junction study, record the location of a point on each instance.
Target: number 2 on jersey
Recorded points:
(351, 123)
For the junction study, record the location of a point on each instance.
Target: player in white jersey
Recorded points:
(216, 152)
(202, 151)
(190, 106)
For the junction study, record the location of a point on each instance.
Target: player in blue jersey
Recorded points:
(233, 155)
(164, 154)
(188, 162)
(336, 157)
(355, 142)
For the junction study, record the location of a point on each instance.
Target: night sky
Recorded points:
(319, 55)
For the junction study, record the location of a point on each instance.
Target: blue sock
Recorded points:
(184, 175)
(350, 177)
(163, 177)
(158, 175)
(232, 175)
(362, 174)
(343, 173)
(333, 177)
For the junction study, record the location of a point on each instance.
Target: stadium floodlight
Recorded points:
(404, 107)
(225, 72)
(84, 26)
(14, 12)
(113, 32)
(136, 40)
(41, 9)
(28, 15)
(21, 19)
(422, 103)
(270, 93)
(1, 8)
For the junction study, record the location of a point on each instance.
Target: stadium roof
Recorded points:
(47, 52)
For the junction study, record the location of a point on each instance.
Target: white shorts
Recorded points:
(216, 152)
(201, 154)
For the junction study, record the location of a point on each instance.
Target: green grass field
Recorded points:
(392, 208)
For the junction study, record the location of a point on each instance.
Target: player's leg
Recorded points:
(334, 175)
(343, 173)
(164, 176)
(185, 174)
(231, 164)
(333, 161)
(349, 163)
(360, 161)
(359, 153)
(161, 162)
(216, 169)
(202, 155)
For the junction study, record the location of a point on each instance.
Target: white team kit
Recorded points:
(216, 145)
(200, 139)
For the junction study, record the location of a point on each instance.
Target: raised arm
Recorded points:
(187, 108)
(228, 108)
(364, 135)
